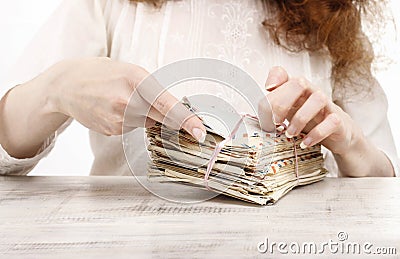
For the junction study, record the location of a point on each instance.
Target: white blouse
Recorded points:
(141, 34)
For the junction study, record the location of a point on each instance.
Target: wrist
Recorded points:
(351, 161)
(49, 85)
(357, 145)
(28, 118)
(360, 158)
(46, 91)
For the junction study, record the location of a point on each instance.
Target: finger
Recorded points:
(128, 129)
(155, 94)
(311, 107)
(295, 107)
(284, 98)
(323, 130)
(149, 123)
(150, 119)
(265, 115)
(136, 112)
(166, 103)
(276, 77)
(180, 117)
(154, 115)
(157, 116)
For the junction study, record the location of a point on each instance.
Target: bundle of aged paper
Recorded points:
(255, 166)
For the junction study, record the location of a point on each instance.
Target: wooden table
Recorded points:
(96, 217)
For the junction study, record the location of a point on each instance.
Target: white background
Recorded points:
(19, 21)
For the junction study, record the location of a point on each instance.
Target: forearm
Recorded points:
(363, 159)
(27, 118)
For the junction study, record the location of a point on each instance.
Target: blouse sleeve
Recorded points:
(369, 111)
(76, 29)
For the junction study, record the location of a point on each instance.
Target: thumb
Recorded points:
(276, 77)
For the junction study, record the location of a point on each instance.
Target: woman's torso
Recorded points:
(226, 30)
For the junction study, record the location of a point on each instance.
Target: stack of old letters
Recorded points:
(254, 166)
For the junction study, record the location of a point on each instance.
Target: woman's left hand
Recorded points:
(308, 110)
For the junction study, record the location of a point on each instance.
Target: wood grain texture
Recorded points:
(103, 217)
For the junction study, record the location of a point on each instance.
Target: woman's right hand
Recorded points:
(97, 91)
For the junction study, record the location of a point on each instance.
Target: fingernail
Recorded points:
(271, 87)
(280, 128)
(276, 120)
(199, 134)
(290, 132)
(288, 135)
(305, 143)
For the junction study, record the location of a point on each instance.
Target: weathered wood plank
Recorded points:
(48, 217)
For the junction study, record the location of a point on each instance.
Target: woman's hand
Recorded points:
(101, 94)
(97, 91)
(308, 110)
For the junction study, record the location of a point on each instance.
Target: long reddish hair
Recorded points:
(330, 25)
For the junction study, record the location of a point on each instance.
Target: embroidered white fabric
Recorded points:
(149, 37)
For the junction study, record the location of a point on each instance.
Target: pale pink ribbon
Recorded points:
(219, 147)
